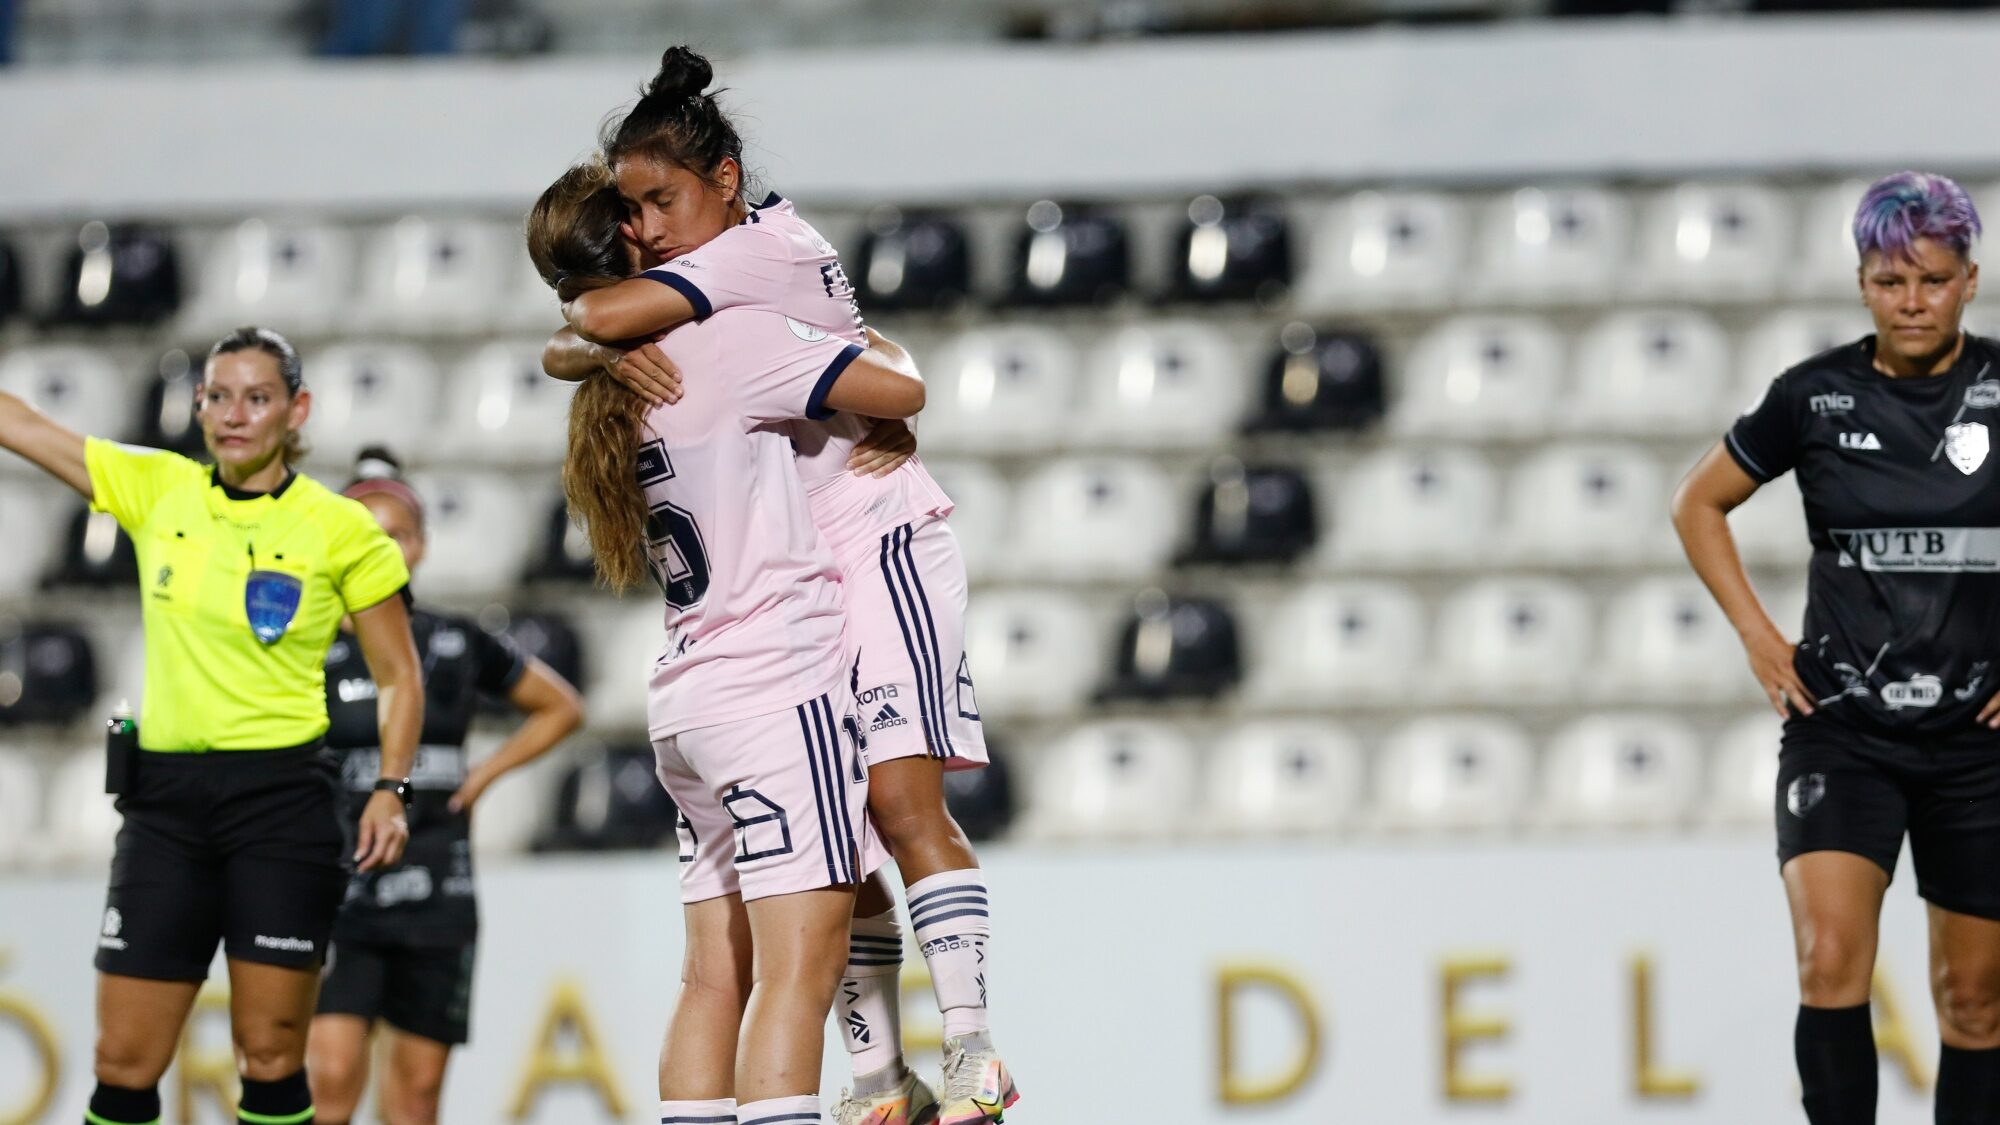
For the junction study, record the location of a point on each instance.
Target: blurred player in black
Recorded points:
(403, 944)
(1892, 722)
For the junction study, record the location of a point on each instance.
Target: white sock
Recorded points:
(801, 1110)
(869, 1002)
(715, 1111)
(949, 912)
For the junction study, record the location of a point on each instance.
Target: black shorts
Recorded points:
(1841, 789)
(424, 990)
(240, 846)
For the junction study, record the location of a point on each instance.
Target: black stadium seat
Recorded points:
(1328, 380)
(95, 553)
(912, 261)
(564, 552)
(1175, 648)
(166, 420)
(10, 282)
(47, 674)
(548, 638)
(119, 275)
(1253, 514)
(1070, 254)
(611, 801)
(1236, 250)
(982, 801)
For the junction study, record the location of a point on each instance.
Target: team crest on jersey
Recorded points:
(1983, 394)
(806, 332)
(1966, 445)
(270, 600)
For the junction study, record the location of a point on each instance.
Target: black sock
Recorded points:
(1968, 1086)
(287, 1101)
(1835, 1048)
(117, 1105)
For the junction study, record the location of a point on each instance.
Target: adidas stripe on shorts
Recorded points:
(772, 805)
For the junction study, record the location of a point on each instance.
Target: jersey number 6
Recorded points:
(674, 547)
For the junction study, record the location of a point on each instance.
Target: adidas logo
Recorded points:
(885, 718)
(1859, 441)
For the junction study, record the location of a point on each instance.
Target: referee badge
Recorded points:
(271, 599)
(1966, 445)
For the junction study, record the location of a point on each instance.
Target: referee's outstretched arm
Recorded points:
(384, 632)
(39, 438)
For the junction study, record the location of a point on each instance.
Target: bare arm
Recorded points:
(384, 632)
(37, 437)
(635, 307)
(1701, 507)
(882, 382)
(640, 366)
(553, 709)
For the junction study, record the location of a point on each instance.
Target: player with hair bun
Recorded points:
(1892, 718)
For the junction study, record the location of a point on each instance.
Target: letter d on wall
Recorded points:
(1276, 1085)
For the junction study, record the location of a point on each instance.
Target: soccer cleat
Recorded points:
(911, 1103)
(977, 1087)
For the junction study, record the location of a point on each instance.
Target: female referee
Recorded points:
(232, 822)
(677, 159)
(751, 708)
(403, 944)
(1892, 724)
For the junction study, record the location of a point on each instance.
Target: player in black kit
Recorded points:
(1892, 722)
(403, 944)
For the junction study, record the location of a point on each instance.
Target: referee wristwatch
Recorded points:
(400, 786)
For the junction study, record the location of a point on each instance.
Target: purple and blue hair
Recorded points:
(1898, 210)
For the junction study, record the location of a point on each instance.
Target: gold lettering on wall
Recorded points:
(1649, 1079)
(1893, 1041)
(549, 1065)
(22, 1011)
(1232, 1087)
(1462, 1029)
(211, 1070)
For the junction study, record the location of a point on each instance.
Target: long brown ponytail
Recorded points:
(573, 239)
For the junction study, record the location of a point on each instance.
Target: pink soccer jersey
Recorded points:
(774, 261)
(753, 596)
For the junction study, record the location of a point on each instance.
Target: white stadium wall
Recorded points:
(1640, 97)
(1603, 981)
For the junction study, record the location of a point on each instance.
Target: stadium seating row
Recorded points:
(1111, 780)
(1713, 241)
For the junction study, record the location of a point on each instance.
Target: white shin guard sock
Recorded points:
(950, 915)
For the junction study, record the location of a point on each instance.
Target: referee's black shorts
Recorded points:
(244, 847)
(1842, 789)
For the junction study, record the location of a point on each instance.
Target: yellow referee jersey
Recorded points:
(242, 594)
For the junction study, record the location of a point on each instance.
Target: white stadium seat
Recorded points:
(370, 394)
(1415, 507)
(1381, 249)
(21, 807)
(1097, 517)
(290, 275)
(1481, 377)
(478, 530)
(119, 641)
(30, 517)
(1743, 783)
(1562, 245)
(1770, 527)
(1033, 652)
(1784, 340)
(1001, 390)
(526, 303)
(1513, 639)
(1827, 259)
(1621, 771)
(435, 276)
(1116, 780)
(1649, 371)
(1273, 778)
(514, 809)
(1587, 505)
(622, 642)
(1713, 242)
(83, 819)
(1665, 638)
(79, 387)
(980, 514)
(1453, 773)
(1167, 385)
(1353, 643)
(504, 410)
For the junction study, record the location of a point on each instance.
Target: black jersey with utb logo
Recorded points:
(427, 899)
(1902, 626)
